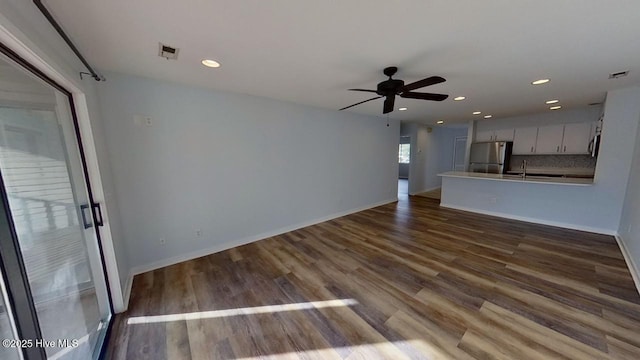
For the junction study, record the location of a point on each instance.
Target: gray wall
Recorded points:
(431, 154)
(237, 167)
(629, 229)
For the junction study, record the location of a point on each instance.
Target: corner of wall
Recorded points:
(127, 293)
(631, 264)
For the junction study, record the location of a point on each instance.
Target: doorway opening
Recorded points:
(459, 153)
(404, 162)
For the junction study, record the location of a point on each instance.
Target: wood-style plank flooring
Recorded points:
(407, 280)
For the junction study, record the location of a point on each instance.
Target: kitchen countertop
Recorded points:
(518, 178)
(568, 172)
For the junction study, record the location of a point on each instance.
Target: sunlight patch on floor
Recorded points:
(241, 311)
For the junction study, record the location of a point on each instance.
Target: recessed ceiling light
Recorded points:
(403, 109)
(440, 122)
(210, 63)
(555, 107)
(459, 98)
(488, 116)
(540, 82)
(477, 112)
(549, 102)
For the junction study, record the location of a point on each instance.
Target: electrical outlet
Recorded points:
(162, 241)
(198, 232)
(147, 121)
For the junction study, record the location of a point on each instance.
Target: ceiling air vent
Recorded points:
(168, 52)
(618, 75)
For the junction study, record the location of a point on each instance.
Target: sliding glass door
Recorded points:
(50, 220)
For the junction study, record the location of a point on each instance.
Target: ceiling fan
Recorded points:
(392, 87)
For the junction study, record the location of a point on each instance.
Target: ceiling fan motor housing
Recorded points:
(389, 87)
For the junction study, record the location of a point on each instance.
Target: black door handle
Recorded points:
(98, 210)
(83, 211)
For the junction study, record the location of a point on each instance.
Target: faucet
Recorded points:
(524, 169)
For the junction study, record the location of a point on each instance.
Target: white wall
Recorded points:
(596, 208)
(431, 154)
(26, 25)
(237, 167)
(629, 230)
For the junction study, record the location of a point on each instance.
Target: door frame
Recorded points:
(36, 59)
(21, 299)
(453, 160)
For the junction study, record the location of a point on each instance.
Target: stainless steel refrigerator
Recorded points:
(490, 157)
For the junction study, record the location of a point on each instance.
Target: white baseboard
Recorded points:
(238, 242)
(127, 292)
(633, 268)
(534, 220)
(425, 190)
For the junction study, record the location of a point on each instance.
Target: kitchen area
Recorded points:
(546, 168)
(558, 153)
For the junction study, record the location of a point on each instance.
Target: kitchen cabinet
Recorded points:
(570, 139)
(504, 135)
(549, 139)
(524, 141)
(577, 138)
(494, 135)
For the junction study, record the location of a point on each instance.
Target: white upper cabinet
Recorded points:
(484, 135)
(571, 139)
(504, 135)
(524, 141)
(576, 138)
(550, 139)
(494, 135)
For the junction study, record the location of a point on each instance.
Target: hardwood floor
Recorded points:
(401, 281)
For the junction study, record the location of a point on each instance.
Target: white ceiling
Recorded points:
(311, 52)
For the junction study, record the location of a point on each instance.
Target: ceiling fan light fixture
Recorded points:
(459, 98)
(210, 63)
(540, 82)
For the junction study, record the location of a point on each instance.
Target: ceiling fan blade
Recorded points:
(388, 104)
(367, 90)
(422, 83)
(424, 96)
(377, 97)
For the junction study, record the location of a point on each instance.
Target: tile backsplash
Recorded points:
(581, 162)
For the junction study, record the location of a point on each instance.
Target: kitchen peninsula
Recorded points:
(538, 179)
(557, 201)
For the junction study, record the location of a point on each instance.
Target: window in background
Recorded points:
(404, 153)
